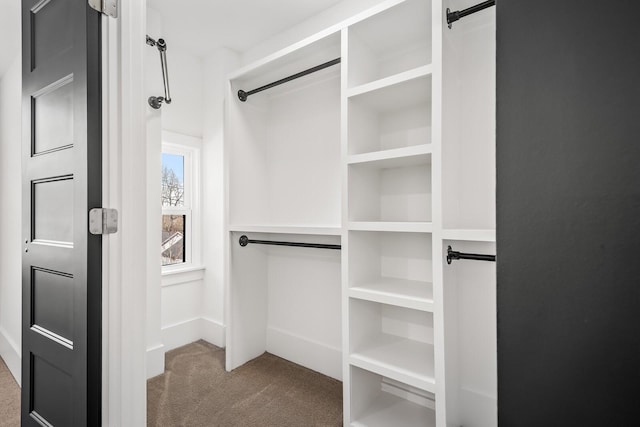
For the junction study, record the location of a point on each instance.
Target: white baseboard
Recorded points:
(179, 334)
(212, 331)
(10, 353)
(311, 354)
(155, 361)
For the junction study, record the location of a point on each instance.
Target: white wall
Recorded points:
(10, 231)
(185, 114)
(174, 301)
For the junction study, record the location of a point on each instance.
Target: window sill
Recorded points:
(177, 276)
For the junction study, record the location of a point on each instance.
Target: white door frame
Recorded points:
(124, 188)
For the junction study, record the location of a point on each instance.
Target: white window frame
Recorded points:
(188, 147)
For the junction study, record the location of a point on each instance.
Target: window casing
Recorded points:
(180, 202)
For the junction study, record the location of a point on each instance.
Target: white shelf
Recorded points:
(374, 52)
(470, 235)
(395, 93)
(397, 157)
(404, 227)
(403, 293)
(403, 77)
(287, 229)
(389, 410)
(401, 359)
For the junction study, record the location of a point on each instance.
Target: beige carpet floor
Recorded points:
(9, 398)
(195, 390)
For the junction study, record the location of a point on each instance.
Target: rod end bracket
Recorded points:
(452, 17)
(156, 102)
(451, 255)
(244, 241)
(242, 95)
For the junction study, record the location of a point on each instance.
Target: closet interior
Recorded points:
(388, 152)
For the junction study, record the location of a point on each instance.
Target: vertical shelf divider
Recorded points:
(436, 170)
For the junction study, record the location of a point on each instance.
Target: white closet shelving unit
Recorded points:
(390, 376)
(392, 155)
(283, 179)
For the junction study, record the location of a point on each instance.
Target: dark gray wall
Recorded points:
(568, 217)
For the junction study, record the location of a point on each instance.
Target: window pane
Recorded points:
(173, 239)
(172, 180)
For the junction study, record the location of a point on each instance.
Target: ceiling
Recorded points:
(200, 28)
(206, 25)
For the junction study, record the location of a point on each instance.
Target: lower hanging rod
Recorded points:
(454, 16)
(244, 241)
(242, 95)
(453, 255)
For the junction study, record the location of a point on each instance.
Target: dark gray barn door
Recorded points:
(568, 209)
(61, 182)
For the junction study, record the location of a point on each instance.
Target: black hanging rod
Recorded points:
(242, 95)
(453, 255)
(454, 16)
(244, 241)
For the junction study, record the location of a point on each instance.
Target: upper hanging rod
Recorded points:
(156, 101)
(242, 95)
(454, 16)
(453, 255)
(244, 241)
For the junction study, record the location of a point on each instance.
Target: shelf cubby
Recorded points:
(391, 115)
(378, 401)
(393, 341)
(392, 268)
(375, 53)
(393, 189)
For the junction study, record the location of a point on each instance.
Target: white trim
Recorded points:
(212, 331)
(287, 229)
(155, 361)
(10, 353)
(183, 275)
(314, 355)
(470, 235)
(181, 139)
(190, 148)
(188, 331)
(181, 333)
(124, 275)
